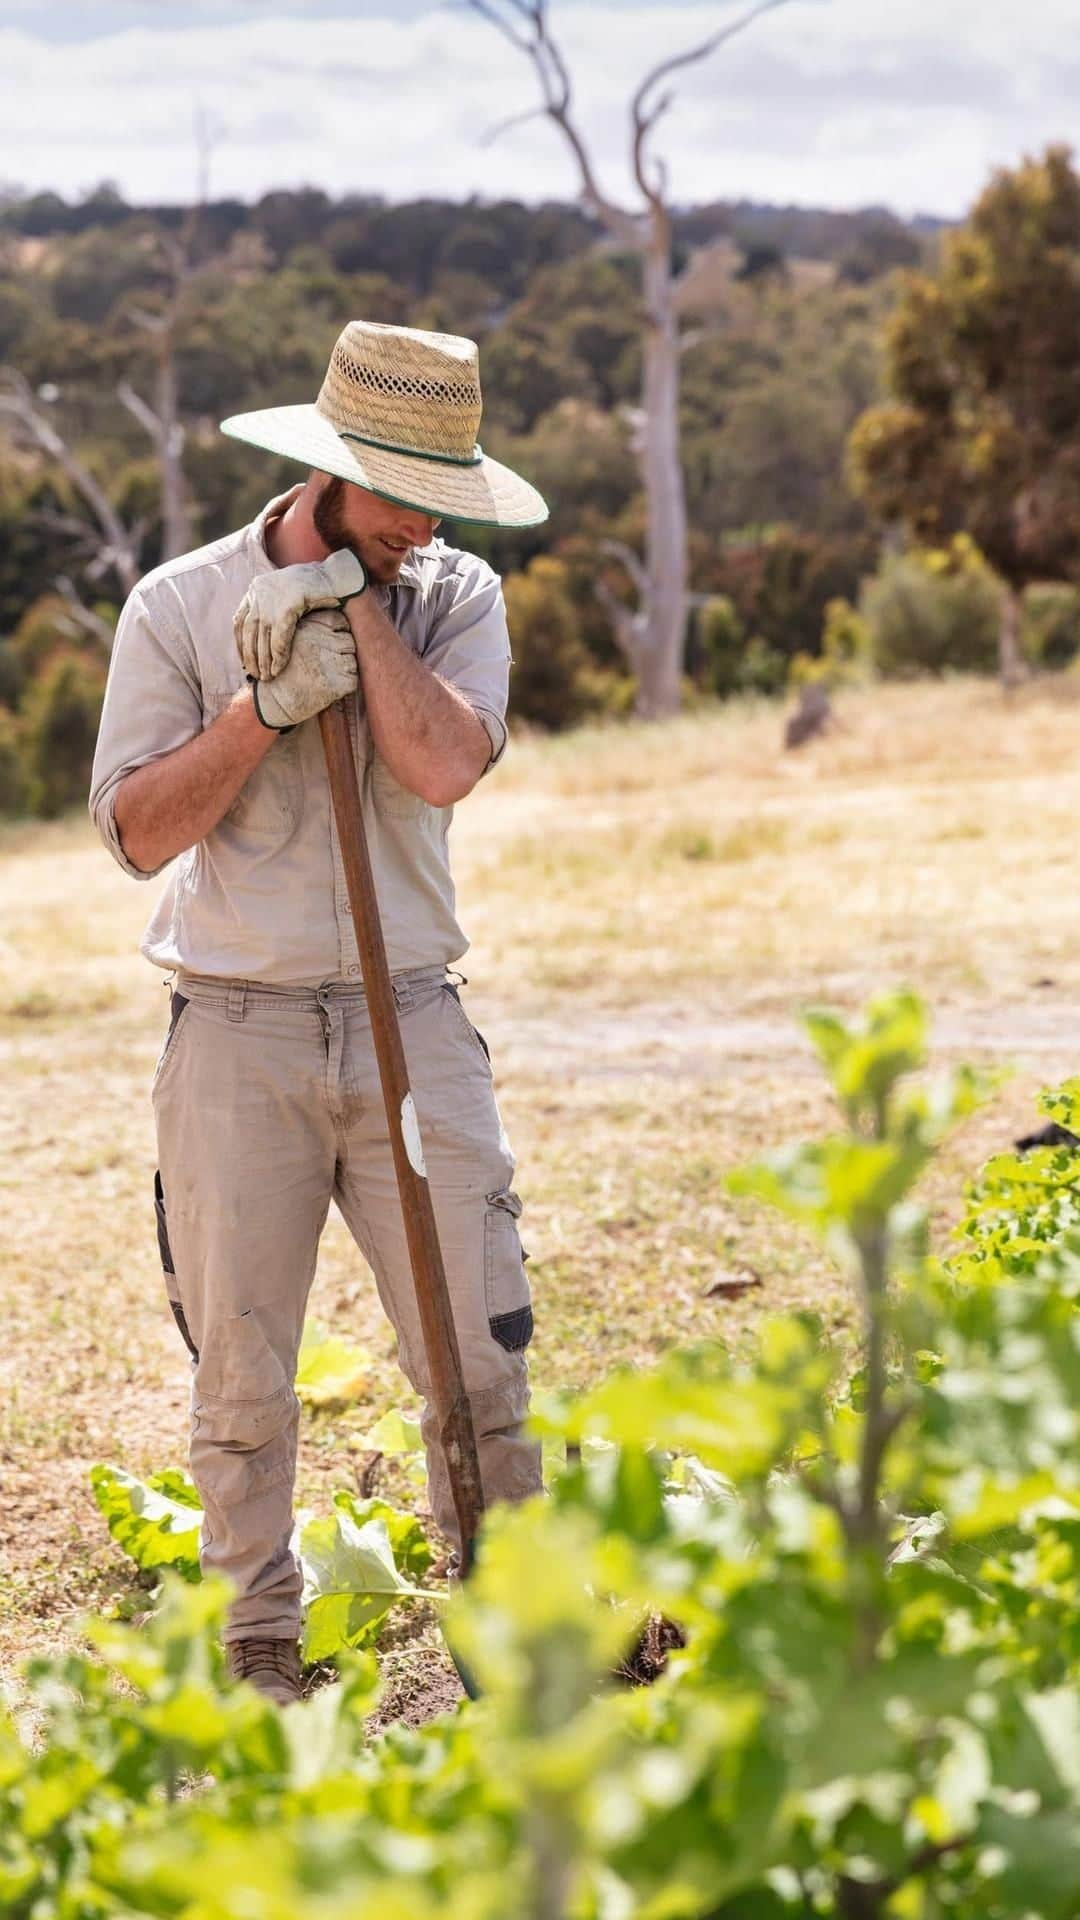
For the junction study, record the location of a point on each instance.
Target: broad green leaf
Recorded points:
(20, 1873)
(409, 1543)
(996, 1504)
(155, 1529)
(54, 1791)
(330, 1370)
(393, 1433)
(350, 1580)
(1056, 1717)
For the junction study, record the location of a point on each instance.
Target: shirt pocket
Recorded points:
(390, 796)
(271, 800)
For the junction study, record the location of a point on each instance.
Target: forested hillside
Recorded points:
(124, 330)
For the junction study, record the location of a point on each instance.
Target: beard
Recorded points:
(328, 516)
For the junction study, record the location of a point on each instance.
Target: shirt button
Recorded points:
(354, 969)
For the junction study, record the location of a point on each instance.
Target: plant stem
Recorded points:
(877, 1424)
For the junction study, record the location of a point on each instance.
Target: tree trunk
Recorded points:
(176, 533)
(1011, 663)
(659, 683)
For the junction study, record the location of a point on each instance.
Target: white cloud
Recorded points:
(829, 101)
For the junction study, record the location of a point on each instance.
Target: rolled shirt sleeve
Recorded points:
(468, 645)
(153, 704)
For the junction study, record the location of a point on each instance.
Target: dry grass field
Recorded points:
(649, 908)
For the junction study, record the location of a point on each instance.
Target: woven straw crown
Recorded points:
(398, 413)
(405, 389)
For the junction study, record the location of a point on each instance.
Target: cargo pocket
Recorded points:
(168, 1267)
(509, 1307)
(474, 1033)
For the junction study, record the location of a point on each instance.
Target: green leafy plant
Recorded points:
(156, 1522)
(357, 1561)
(875, 1569)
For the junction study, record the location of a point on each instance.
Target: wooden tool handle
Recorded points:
(432, 1295)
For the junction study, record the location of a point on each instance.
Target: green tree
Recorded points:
(554, 682)
(982, 433)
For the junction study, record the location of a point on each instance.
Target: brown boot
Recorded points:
(272, 1666)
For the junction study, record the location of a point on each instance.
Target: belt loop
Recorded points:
(237, 998)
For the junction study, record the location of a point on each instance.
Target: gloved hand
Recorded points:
(322, 668)
(265, 620)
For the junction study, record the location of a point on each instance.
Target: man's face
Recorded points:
(378, 532)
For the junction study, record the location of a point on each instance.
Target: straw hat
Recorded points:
(398, 413)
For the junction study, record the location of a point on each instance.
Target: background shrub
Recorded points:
(1052, 623)
(934, 611)
(554, 680)
(12, 777)
(60, 718)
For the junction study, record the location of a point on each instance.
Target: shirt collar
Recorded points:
(410, 572)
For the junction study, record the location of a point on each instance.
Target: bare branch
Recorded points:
(68, 524)
(631, 628)
(145, 415)
(99, 566)
(643, 125)
(556, 91)
(644, 114)
(207, 130)
(630, 560)
(18, 403)
(84, 616)
(495, 19)
(152, 322)
(694, 55)
(515, 120)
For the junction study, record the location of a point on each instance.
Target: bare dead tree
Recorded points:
(161, 419)
(84, 619)
(105, 544)
(652, 638)
(116, 545)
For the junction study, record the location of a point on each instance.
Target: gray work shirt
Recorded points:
(263, 896)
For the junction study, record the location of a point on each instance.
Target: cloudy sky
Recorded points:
(823, 102)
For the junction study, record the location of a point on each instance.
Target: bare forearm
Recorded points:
(171, 803)
(424, 729)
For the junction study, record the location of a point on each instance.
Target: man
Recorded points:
(266, 1095)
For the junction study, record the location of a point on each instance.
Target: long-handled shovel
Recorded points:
(432, 1296)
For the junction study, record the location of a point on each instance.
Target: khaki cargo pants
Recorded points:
(268, 1106)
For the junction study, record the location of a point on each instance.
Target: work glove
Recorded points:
(322, 668)
(265, 620)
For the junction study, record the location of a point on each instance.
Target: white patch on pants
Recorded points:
(410, 1133)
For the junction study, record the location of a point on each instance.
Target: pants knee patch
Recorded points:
(243, 1395)
(244, 1425)
(506, 1286)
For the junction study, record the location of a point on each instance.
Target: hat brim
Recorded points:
(488, 494)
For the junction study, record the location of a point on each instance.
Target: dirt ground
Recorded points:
(649, 909)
